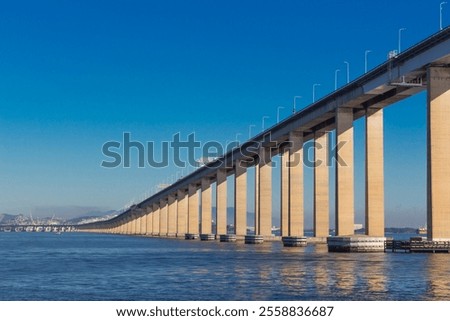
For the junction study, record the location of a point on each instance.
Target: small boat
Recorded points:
(7, 229)
(19, 229)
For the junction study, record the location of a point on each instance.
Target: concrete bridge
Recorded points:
(174, 211)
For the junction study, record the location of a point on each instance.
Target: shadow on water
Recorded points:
(77, 266)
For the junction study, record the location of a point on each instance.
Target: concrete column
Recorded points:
(124, 226)
(374, 173)
(132, 224)
(193, 210)
(240, 199)
(128, 227)
(284, 191)
(144, 223)
(345, 199)
(256, 222)
(438, 165)
(172, 216)
(206, 206)
(163, 217)
(264, 189)
(296, 207)
(182, 211)
(221, 202)
(138, 225)
(321, 185)
(156, 219)
(149, 220)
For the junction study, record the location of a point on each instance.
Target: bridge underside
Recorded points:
(423, 67)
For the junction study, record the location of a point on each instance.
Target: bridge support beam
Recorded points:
(206, 206)
(144, 223)
(296, 207)
(172, 216)
(374, 173)
(240, 199)
(182, 212)
(438, 142)
(163, 205)
(345, 200)
(321, 185)
(156, 219)
(264, 191)
(221, 202)
(292, 215)
(149, 218)
(138, 220)
(193, 209)
(131, 225)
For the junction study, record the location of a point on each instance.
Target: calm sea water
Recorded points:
(78, 266)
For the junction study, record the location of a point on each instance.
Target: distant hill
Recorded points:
(10, 219)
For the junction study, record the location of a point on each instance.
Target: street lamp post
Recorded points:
(250, 131)
(400, 39)
(278, 113)
(441, 6)
(295, 106)
(348, 71)
(314, 92)
(365, 60)
(336, 78)
(264, 118)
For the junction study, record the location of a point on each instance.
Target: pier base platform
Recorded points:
(254, 239)
(294, 241)
(355, 243)
(191, 236)
(227, 238)
(207, 237)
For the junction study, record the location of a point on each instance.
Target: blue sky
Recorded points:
(76, 74)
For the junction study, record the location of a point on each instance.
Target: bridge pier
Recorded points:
(206, 206)
(264, 191)
(138, 224)
(143, 223)
(172, 216)
(156, 217)
(374, 173)
(149, 220)
(240, 199)
(182, 211)
(292, 212)
(193, 211)
(221, 202)
(321, 186)
(163, 205)
(345, 223)
(438, 160)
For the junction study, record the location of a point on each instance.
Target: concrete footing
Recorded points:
(254, 239)
(356, 243)
(227, 238)
(207, 237)
(294, 241)
(191, 236)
